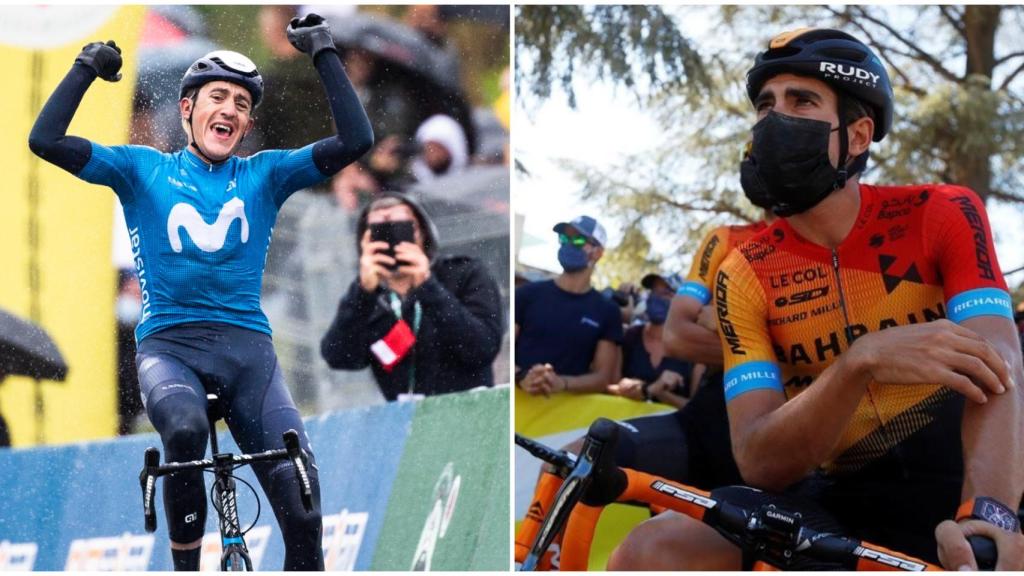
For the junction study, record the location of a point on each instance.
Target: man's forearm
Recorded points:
(692, 342)
(783, 445)
(993, 442)
(593, 382)
(355, 135)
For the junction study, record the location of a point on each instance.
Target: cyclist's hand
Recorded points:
(373, 263)
(955, 552)
(708, 318)
(939, 352)
(310, 34)
(104, 59)
(412, 262)
(628, 388)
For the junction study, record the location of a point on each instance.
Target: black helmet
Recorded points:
(834, 57)
(224, 65)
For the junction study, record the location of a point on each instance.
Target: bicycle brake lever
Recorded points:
(147, 481)
(298, 457)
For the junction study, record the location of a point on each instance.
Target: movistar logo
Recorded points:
(207, 237)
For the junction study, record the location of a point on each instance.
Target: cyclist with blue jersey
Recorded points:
(200, 222)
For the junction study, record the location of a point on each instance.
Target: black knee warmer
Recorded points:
(184, 434)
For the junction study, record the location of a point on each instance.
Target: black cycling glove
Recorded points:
(310, 34)
(104, 59)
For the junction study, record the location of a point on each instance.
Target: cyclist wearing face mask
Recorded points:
(871, 363)
(567, 334)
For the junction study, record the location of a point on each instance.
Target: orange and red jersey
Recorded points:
(713, 250)
(787, 308)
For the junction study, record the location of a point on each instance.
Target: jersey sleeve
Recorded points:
(709, 256)
(117, 167)
(958, 237)
(743, 329)
(290, 171)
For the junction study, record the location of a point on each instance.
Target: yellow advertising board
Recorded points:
(55, 229)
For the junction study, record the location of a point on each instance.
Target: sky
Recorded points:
(596, 133)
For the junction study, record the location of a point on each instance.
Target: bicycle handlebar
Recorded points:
(770, 532)
(560, 459)
(153, 470)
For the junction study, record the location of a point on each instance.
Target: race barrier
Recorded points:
(404, 486)
(557, 421)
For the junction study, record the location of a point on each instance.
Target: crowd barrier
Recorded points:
(404, 486)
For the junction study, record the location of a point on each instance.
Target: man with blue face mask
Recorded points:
(648, 373)
(567, 334)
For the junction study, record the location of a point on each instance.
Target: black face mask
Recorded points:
(787, 168)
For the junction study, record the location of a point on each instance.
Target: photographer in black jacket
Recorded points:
(425, 324)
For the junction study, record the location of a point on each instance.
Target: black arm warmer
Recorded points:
(355, 136)
(48, 139)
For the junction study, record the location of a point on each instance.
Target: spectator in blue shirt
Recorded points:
(567, 334)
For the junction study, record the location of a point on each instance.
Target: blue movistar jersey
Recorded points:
(200, 233)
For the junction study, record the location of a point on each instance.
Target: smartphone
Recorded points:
(394, 233)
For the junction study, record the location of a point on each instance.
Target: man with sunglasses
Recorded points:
(567, 334)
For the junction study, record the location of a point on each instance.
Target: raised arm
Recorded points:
(49, 139)
(354, 137)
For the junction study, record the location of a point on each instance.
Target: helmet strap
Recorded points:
(844, 144)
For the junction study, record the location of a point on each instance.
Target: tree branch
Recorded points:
(1010, 56)
(717, 207)
(1006, 81)
(955, 20)
(914, 48)
(883, 51)
(1005, 196)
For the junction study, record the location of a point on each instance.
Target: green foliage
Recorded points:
(639, 47)
(950, 125)
(626, 262)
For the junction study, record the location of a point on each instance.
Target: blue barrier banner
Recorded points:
(79, 507)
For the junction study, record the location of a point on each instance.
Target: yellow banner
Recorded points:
(55, 229)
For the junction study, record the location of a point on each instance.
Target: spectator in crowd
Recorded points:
(128, 310)
(283, 124)
(626, 298)
(567, 333)
(443, 149)
(431, 21)
(647, 373)
(425, 324)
